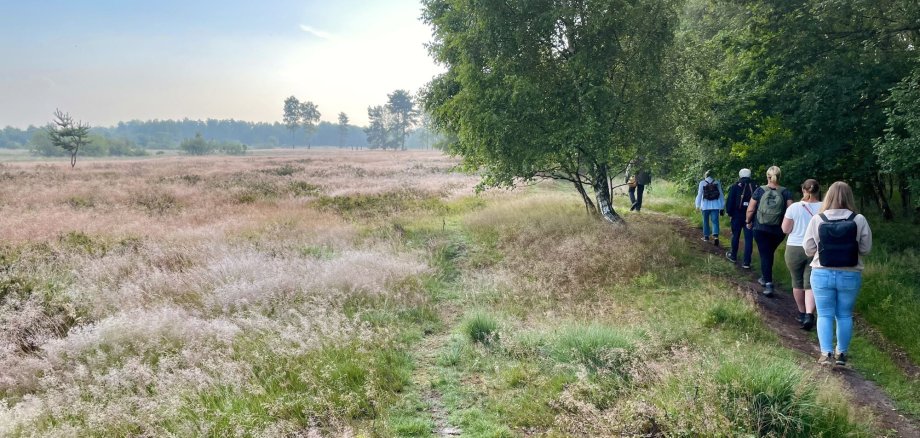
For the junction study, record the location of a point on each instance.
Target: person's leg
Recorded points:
(639, 193)
(809, 293)
(737, 225)
(715, 223)
(795, 261)
(765, 247)
(706, 224)
(823, 284)
(848, 284)
(632, 198)
(748, 246)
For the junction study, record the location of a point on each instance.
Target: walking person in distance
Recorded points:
(710, 200)
(739, 196)
(637, 177)
(765, 216)
(837, 238)
(795, 222)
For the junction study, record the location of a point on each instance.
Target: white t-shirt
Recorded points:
(800, 213)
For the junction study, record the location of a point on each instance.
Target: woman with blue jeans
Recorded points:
(710, 200)
(836, 271)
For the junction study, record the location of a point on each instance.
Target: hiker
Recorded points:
(739, 196)
(837, 238)
(765, 216)
(710, 200)
(795, 222)
(637, 179)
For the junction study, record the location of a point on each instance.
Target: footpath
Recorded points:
(779, 313)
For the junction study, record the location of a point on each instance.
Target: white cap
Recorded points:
(744, 173)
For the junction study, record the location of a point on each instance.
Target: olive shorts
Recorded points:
(799, 266)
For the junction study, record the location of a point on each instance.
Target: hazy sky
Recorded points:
(109, 60)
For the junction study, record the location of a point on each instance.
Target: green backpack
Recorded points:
(771, 207)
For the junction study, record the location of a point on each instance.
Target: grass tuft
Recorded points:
(480, 327)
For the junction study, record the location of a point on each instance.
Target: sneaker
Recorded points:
(841, 359)
(800, 318)
(768, 289)
(747, 266)
(705, 238)
(715, 241)
(762, 283)
(826, 359)
(808, 322)
(731, 257)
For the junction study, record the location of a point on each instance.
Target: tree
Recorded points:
(377, 129)
(309, 118)
(68, 135)
(403, 116)
(292, 115)
(343, 129)
(197, 145)
(899, 150)
(569, 90)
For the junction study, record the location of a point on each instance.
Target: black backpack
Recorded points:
(711, 191)
(838, 246)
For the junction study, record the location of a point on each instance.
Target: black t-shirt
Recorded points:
(775, 229)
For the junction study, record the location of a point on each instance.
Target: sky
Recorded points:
(105, 61)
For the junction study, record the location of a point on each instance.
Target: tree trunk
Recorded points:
(602, 193)
(878, 187)
(590, 208)
(73, 159)
(904, 188)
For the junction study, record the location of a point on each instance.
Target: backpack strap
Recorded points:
(852, 216)
(824, 218)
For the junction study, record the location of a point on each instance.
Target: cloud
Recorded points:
(316, 32)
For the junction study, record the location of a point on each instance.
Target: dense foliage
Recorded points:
(802, 84)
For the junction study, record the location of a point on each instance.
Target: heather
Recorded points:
(328, 293)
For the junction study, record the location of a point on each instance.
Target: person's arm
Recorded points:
(749, 214)
(787, 225)
(865, 238)
(731, 202)
(811, 237)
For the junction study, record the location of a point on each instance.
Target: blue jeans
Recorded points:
(707, 216)
(738, 228)
(835, 295)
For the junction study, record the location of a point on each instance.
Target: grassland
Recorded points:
(371, 294)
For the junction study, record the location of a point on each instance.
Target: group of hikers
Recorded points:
(826, 242)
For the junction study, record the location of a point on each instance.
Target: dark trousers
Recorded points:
(636, 198)
(738, 228)
(767, 243)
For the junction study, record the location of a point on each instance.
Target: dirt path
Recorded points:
(423, 378)
(779, 313)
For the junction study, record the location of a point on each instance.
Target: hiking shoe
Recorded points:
(808, 322)
(768, 290)
(731, 257)
(826, 359)
(715, 241)
(841, 359)
(762, 283)
(800, 318)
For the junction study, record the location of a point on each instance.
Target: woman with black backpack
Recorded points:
(765, 216)
(838, 237)
(709, 200)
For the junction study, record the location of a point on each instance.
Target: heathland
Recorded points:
(327, 292)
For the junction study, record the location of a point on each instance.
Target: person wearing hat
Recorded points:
(739, 197)
(710, 200)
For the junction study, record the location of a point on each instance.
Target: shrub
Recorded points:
(157, 202)
(481, 328)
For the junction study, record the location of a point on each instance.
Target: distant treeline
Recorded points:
(169, 134)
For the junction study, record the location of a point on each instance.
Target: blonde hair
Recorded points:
(773, 174)
(839, 196)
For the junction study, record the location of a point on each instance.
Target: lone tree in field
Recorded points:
(402, 116)
(292, 116)
(68, 135)
(309, 119)
(343, 129)
(377, 133)
(569, 89)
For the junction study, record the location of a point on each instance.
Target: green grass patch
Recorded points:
(480, 327)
